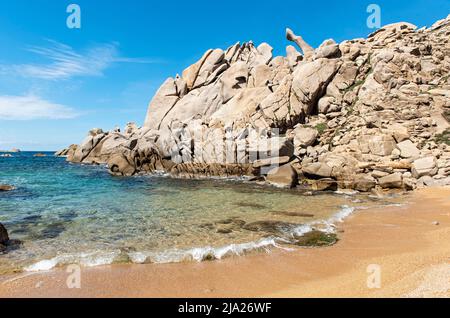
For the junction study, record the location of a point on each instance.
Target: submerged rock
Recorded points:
(316, 239)
(272, 227)
(250, 205)
(6, 187)
(293, 214)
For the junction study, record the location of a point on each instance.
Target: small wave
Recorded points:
(168, 256)
(83, 259)
(194, 254)
(328, 225)
(202, 254)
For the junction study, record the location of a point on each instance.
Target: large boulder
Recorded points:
(392, 181)
(364, 183)
(311, 80)
(67, 151)
(304, 137)
(162, 103)
(121, 165)
(93, 139)
(328, 49)
(318, 170)
(280, 108)
(233, 80)
(241, 106)
(408, 149)
(424, 167)
(210, 69)
(379, 145)
(284, 176)
(399, 132)
(197, 74)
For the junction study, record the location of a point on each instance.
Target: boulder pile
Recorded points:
(362, 114)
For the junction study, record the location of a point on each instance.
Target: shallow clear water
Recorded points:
(65, 213)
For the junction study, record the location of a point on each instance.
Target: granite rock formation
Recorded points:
(365, 113)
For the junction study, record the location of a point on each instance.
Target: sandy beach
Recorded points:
(410, 245)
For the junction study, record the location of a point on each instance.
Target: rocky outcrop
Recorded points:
(363, 114)
(284, 176)
(67, 151)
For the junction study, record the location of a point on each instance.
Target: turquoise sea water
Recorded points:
(66, 213)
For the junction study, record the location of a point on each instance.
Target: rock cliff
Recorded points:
(361, 114)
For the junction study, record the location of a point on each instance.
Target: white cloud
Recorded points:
(64, 62)
(32, 107)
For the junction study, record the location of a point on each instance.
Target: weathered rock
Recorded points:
(379, 145)
(307, 50)
(328, 49)
(318, 169)
(310, 81)
(399, 132)
(293, 56)
(376, 104)
(392, 181)
(408, 149)
(424, 167)
(284, 176)
(233, 80)
(364, 183)
(279, 161)
(120, 165)
(164, 100)
(324, 185)
(207, 69)
(304, 137)
(67, 152)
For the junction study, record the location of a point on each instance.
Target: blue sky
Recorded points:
(57, 83)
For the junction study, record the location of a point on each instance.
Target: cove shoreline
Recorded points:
(411, 245)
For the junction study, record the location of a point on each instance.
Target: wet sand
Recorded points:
(409, 244)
